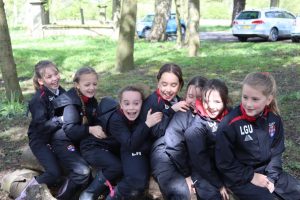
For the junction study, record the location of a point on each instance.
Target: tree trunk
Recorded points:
(45, 13)
(116, 9)
(179, 39)
(274, 3)
(194, 17)
(7, 63)
(238, 6)
(125, 49)
(162, 14)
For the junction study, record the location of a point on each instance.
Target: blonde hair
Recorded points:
(39, 71)
(267, 83)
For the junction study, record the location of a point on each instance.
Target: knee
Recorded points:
(82, 173)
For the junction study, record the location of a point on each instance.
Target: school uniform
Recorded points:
(158, 158)
(200, 139)
(246, 145)
(42, 126)
(175, 161)
(66, 140)
(134, 137)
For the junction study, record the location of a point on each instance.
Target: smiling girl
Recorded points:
(78, 108)
(43, 124)
(133, 135)
(250, 143)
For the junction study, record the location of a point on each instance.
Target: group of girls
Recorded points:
(189, 144)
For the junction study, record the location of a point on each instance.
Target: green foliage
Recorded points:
(11, 108)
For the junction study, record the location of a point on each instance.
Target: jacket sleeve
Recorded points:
(72, 125)
(274, 168)
(130, 140)
(41, 118)
(175, 143)
(234, 172)
(202, 163)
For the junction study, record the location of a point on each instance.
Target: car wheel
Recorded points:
(242, 39)
(295, 39)
(147, 33)
(273, 35)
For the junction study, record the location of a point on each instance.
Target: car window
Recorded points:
(148, 18)
(288, 15)
(270, 14)
(173, 16)
(279, 14)
(249, 15)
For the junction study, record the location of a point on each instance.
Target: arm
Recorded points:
(175, 142)
(130, 140)
(72, 125)
(274, 168)
(196, 139)
(40, 117)
(233, 171)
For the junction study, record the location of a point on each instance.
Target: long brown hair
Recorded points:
(39, 71)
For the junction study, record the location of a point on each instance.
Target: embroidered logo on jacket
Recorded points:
(272, 129)
(213, 126)
(167, 107)
(246, 130)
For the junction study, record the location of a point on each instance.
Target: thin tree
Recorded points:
(125, 49)
(274, 3)
(193, 26)
(179, 39)
(238, 6)
(162, 14)
(7, 63)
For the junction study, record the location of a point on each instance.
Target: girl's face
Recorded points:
(213, 103)
(168, 86)
(131, 104)
(50, 78)
(192, 94)
(254, 101)
(87, 85)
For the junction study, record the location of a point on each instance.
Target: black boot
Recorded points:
(95, 189)
(115, 195)
(67, 190)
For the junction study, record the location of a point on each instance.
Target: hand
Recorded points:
(153, 119)
(181, 106)
(97, 132)
(190, 185)
(224, 193)
(260, 180)
(271, 187)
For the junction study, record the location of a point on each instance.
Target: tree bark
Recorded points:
(238, 6)
(179, 39)
(162, 13)
(193, 26)
(7, 63)
(125, 49)
(274, 3)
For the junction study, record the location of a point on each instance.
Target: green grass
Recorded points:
(229, 61)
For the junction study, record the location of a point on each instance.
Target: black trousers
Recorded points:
(48, 160)
(135, 175)
(172, 184)
(286, 187)
(70, 158)
(204, 189)
(104, 160)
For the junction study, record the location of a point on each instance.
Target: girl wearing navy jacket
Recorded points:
(174, 179)
(44, 123)
(201, 137)
(164, 100)
(133, 135)
(78, 108)
(250, 143)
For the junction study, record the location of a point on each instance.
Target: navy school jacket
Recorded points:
(244, 146)
(43, 123)
(134, 136)
(70, 107)
(157, 104)
(175, 142)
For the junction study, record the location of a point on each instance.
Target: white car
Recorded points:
(296, 30)
(271, 24)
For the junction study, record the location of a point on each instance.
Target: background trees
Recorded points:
(7, 63)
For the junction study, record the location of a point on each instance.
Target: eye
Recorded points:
(174, 84)
(245, 97)
(164, 84)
